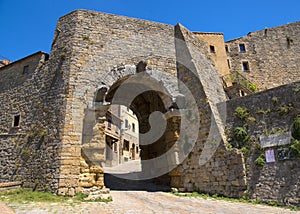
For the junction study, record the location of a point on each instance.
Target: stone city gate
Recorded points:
(162, 72)
(159, 65)
(164, 115)
(157, 109)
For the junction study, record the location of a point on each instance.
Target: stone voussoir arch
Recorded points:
(117, 74)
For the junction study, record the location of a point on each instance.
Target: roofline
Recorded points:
(213, 33)
(22, 59)
(112, 14)
(279, 26)
(231, 40)
(115, 116)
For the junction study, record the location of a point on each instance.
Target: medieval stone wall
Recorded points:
(270, 115)
(210, 167)
(13, 75)
(103, 42)
(92, 50)
(30, 149)
(273, 55)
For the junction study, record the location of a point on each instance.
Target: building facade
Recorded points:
(130, 135)
(269, 57)
(216, 47)
(122, 136)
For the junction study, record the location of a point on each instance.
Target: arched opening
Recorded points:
(134, 134)
(143, 101)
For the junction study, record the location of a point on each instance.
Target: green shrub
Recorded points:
(296, 128)
(260, 161)
(295, 147)
(245, 150)
(261, 111)
(251, 119)
(284, 109)
(241, 112)
(240, 135)
(252, 87)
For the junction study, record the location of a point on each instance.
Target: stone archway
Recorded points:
(152, 101)
(178, 62)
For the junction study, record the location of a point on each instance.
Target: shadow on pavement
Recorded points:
(114, 182)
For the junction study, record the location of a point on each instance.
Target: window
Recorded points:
(242, 93)
(16, 122)
(226, 48)
(126, 145)
(212, 49)
(109, 123)
(133, 127)
(26, 69)
(245, 66)
(126, 123)
(289, 42)
(242, 47)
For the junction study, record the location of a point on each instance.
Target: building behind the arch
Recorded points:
(52, 123)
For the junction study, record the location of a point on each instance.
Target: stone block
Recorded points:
(235, 183)
(98, 197)
(176, 182)
(96, 169)
(175, 172)
(63, 191)
(71, 192)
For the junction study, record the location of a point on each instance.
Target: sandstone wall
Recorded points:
(29, 151)
(106, 48)
(271, 114)
(273, 55)
(102, 43)
(12, 75)
(210, 167)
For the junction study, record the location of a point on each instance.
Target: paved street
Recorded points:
(142, 202)
(127, 167)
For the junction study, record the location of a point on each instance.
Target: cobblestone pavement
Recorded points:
(142, 202)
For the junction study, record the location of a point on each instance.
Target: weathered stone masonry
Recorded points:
(29, 151)
(272, 55)
(103, 42)
(92, 51)
(271, 113)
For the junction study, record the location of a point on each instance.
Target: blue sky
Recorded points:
(27, 26)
